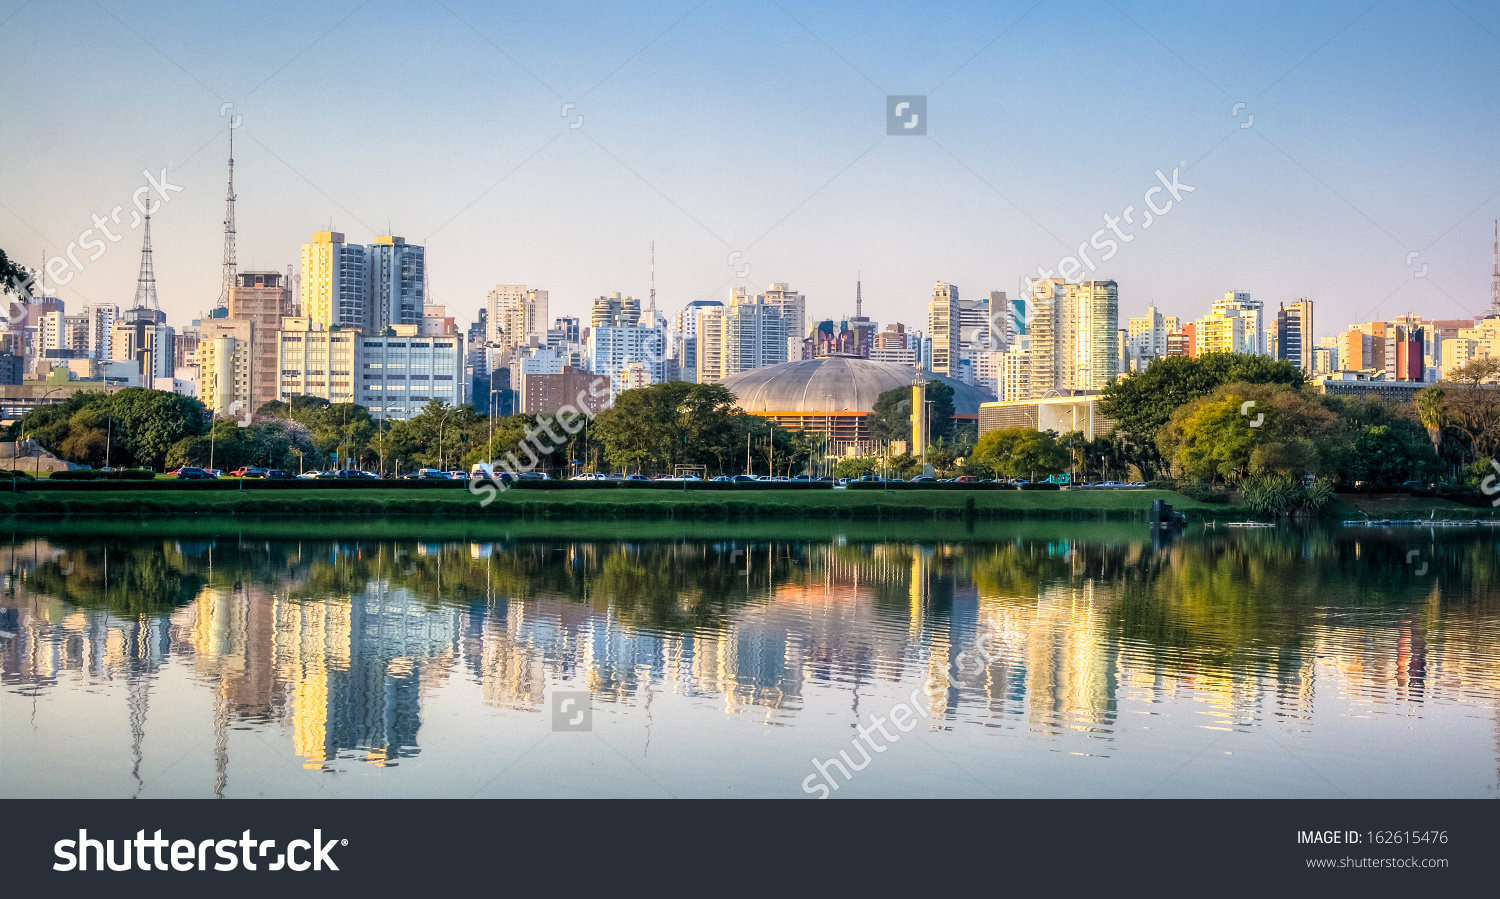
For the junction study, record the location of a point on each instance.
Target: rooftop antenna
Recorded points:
(1495, 278)
(145, 285)
(229, 260)
(653, 281)
(859, 303)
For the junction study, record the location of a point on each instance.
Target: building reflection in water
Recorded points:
(340, 642)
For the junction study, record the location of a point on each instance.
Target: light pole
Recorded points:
(827, 429)
(37, 447)
(443, 422)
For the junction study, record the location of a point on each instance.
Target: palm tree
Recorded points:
(1432, 410)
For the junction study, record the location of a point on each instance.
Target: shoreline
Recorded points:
(915, 506)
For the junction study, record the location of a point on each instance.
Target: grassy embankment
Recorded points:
(305, 500)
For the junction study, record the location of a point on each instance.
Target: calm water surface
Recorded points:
(1024, 660)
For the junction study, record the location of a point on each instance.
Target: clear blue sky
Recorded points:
(760, 127)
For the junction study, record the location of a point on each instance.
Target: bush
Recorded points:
(1162, 484)
(1284, 496)
(1203, 493)
(90, 474)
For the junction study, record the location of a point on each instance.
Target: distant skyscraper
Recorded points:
(1252, 312)
(1294, 334)
(793, 306)
(621, 341)
(748, 333)
(945, 327)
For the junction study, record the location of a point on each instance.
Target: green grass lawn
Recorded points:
(607, 503)
(306, 501)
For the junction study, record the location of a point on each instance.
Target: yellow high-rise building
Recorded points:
(335, 281)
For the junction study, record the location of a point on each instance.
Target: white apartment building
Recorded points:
(223, 362)
(748, 333)
(398, 283)
(102, 318)
(793, 306)
(945, 329)
(1015, 371)
(1238, 303)
(401, 371)
(515, 314)
(611, 347)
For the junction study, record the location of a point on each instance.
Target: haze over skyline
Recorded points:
(715, 128)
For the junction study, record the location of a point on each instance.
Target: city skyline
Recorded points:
(1324, 195)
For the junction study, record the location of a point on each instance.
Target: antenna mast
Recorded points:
(1495, 278)
(229, 260)
(859, 303)
(145, 285)
(653, 283)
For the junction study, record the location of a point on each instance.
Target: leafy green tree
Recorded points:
(1143, 401)
(140, 425)
(890, 418)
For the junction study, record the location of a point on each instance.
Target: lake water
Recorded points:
(1027, 659)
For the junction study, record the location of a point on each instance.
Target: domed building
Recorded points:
(833, 395)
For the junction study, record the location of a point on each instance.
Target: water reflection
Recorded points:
(342, 643)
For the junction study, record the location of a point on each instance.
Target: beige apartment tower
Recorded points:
(263, 299)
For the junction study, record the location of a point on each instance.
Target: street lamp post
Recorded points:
(37, 447)
(441, 424)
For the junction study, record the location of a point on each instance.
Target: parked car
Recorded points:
(278, 474)
(745, 478)
(723, 479)
(966, 479)
(428, 474)
(923, 479)
(249, 471)
(194, 474)
(636, 477)
(535, 476)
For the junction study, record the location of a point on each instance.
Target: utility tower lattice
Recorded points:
(145, 285)
(1495, 278)
(859, 302)
(229, 261)
(652, 316)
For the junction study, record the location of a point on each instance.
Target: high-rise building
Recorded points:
(793, 306)
(401, 370)
(618, 338)
(398, 283)
(1148, 337)
(223, 358)
(102, 317)
(748, 333)
(1074, 335)
(945, 327)
(1294, 334)
(615, 310)
(1238, 303)
(146, 341)
(1015, 370)
(1405, 352)
(335, 281)
(263, 299)
(1222, 331)
(316, 360)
